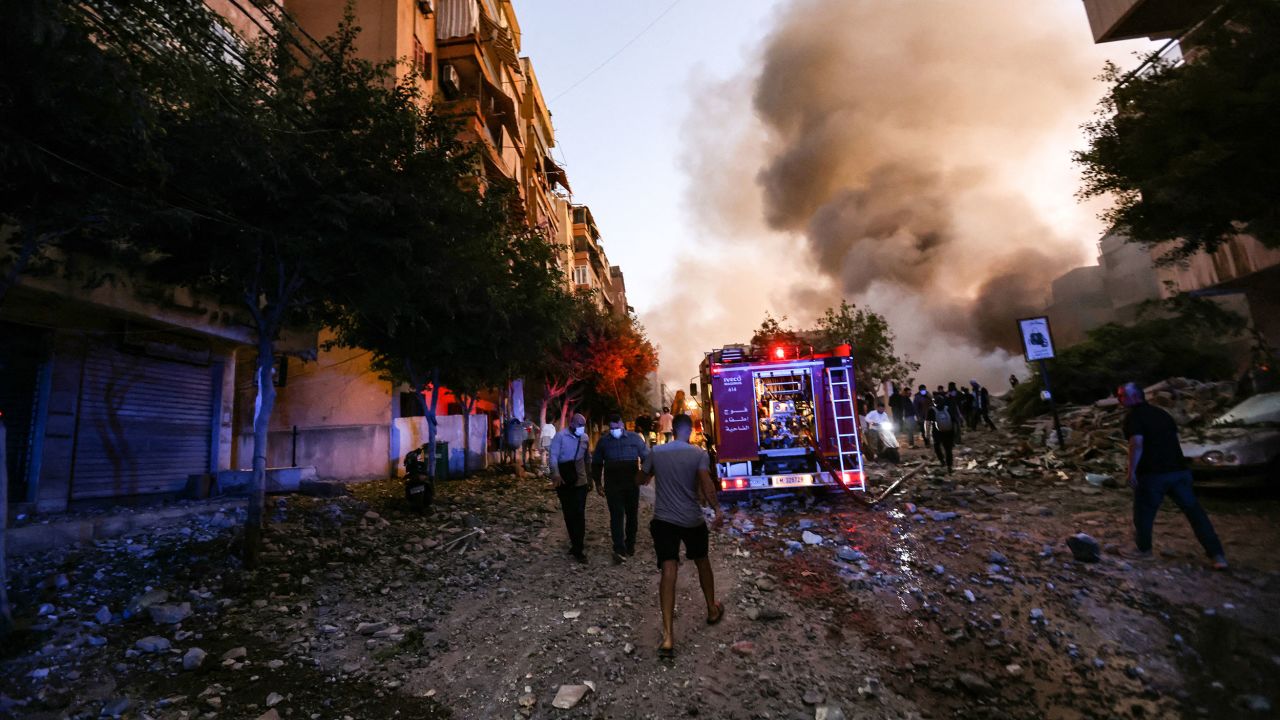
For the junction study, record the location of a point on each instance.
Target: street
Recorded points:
(955, 597)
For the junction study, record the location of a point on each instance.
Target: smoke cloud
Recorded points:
(913, 157)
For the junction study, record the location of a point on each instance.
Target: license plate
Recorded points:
(792, 480)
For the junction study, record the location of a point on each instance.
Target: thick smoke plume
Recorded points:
(917, 156)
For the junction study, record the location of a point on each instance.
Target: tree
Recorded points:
(874, 354)
(1184, 336)
(1188, 153)
(305, 162)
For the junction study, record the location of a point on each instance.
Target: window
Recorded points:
(421, 59)
(581, 275)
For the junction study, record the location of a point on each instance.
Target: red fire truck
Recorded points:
(781, 417)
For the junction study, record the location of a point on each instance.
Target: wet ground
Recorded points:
(953, 597)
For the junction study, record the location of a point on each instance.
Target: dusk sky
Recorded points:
(723, 195)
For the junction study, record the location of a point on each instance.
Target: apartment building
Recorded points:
(591, 269)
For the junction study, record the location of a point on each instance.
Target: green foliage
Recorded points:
(874, 355)
(1183, 336)
(1189, 153)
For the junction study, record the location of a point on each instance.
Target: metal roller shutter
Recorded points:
(144, 425)
(19, 367)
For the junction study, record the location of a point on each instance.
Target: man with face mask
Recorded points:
(569, 478)
(614, 465)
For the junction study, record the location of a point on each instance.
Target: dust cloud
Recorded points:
(913, 157)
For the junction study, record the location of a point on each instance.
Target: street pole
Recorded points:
(1053, 405)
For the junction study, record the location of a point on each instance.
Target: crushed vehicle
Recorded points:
(1241, 446)
(781, 417)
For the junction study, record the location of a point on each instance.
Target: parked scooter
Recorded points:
(419, 490)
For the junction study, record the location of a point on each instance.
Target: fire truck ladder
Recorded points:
(843, 410)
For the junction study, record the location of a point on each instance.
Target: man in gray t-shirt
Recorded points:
(683, 485)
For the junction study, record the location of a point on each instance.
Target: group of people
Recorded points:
(940, 418)
(621, 462)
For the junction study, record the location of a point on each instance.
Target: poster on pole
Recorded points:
(1037, 340)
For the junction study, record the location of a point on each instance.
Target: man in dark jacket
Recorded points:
(909, 422)
(981, 405)
(616, 466)
(922, 403)
(953, 405)
(1158, 468)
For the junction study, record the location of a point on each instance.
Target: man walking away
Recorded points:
(644, 426)
(616, 461)
(684, 484)
(548, 433)
(1158, 468)
(923, 404)
(953, 407)
(942, 426)
(981, 405)
(664, 424)
(968, 406)
(909, 416)
(569, 478)
(895, 408)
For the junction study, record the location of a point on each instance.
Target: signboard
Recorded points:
(1037, 341)
(735, 397)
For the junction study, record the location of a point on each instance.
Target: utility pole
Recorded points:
(1037, 346)
(1047, 394)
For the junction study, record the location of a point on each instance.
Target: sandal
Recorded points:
(719, 615)
(666, 653)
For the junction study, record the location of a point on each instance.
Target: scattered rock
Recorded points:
(743, 647)
(569, 695)
(169, 614)
(116, 708)
(765, 584)
(870, 688)
(237, 653)
(45, 610)
(973, 683)
(828, 712)
(1036, 615)
(848, 554)
(270, 715)
(968, 595)
(1254, 703)
(152, 644)
(814, 696)
(369, 628)
(103, 616)
(274, 699)
(810, 538)
(996, 557)
(193, 658)
(1084, 548)
(572, 614)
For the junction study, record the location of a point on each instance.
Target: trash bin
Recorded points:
(442, 460)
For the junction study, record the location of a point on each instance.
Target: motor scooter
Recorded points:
(419, 489)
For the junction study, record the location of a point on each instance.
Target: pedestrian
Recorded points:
(664, 424)
(513, 435)
(614, 466)
(921, 403)
(644, 426)
(1013, 381)
(909, 416)
(953, 406)
(879, 428)
(942, 424)
(544, 444)
(530, 444)
(1158, 468)
(569, 478)
(683, 485)
(981, 405)
(967, 408)
(896, 407)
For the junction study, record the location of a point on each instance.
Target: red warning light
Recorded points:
(779, 353)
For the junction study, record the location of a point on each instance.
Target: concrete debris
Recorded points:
(1084, 548)
(569, 696)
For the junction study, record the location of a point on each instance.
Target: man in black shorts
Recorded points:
(683, 474)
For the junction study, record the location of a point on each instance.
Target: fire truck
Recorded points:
(781, 417)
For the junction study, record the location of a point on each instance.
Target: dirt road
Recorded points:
(955, 597)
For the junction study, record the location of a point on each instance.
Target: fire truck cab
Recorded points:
(781, 417)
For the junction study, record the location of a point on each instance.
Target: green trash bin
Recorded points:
(442, 460)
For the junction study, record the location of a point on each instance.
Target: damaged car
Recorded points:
(1242, 446)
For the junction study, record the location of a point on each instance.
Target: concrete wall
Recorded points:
(412, 432)
(338, 452)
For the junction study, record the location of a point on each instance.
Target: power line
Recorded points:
(618, 52)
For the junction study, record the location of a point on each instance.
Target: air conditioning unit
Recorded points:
(450, 83)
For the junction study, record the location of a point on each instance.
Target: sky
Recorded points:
(912, 157)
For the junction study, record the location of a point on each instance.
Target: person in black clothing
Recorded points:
(921, 402)
(967, 408)
(981, 405)
(909, 416)
(895, 406)
(942, 427)
(615, 468)
(644, 426)
(1157, 468)
(953, 406)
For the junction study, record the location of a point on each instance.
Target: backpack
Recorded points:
(942, 420)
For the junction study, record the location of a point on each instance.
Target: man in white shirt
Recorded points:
(878, 428)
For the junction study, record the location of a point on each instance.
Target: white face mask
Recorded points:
(616, 432)
(579, 431)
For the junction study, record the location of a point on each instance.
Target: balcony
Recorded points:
(1125, 19)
